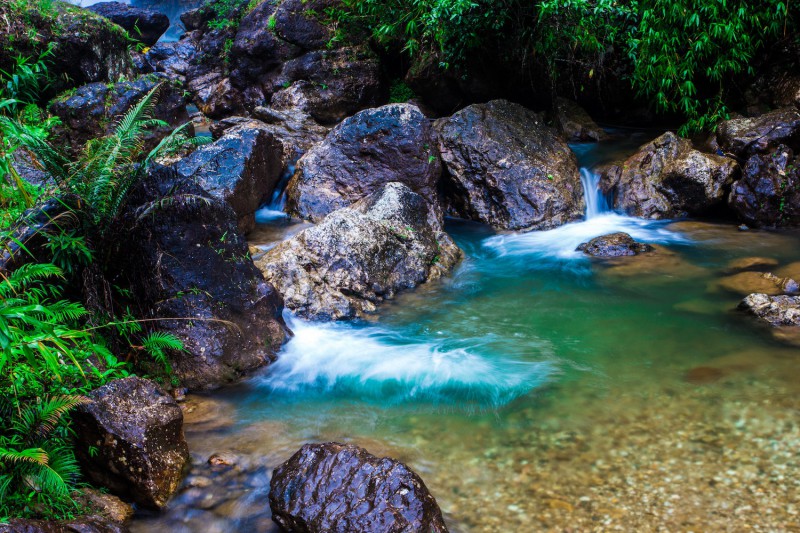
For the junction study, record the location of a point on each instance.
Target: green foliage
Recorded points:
(399, 92)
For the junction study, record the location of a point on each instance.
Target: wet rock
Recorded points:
(751, 263)
(393, 143)
(768, 193)
(777, 311)
(242, 168)
(130, 440)
(143, 25)
(792, 270)
(748, 282)
(189, 266)
(106, 505)
(94, 110)
(744, 137)
(172, 58)
(335, 487)
(299, 22)
(360, 255)
(203, 414)
(667, 178)
(223, 459)
(614, 245)
(575, 123)
(506, 168)
(83, 524)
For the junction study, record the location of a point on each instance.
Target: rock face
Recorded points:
(614, 245)
(136, 432)
(667, 178)
(575, 123)
(360, 255)
(506, 168)
(334, 487)
(242, 168)
(94, 109)
(393, 143)
(768, 193)
(186, 260)
(744, 137)
(777, 311)
(141, 24)
(83, 524)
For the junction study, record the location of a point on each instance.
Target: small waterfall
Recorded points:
(596, 202)
(274, 210)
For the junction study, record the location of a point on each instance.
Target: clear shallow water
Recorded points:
(536, 389)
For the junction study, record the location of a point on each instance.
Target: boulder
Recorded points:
(144, 25)
(768, 192)
(106, 505)
(614, 245)
(83, 524)
(300, 23)
(575, 123)
(777, 311)
(187, 263)
(242, 168)
(360, 255)
(172, 59)
(506, 168)
(667, 178)
(393, 143)
(94, 110)
(746, 136)
(335, 487)
(130, 440)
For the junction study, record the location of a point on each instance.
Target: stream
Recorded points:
(534, 388)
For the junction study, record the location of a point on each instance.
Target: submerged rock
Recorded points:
(744, 137)
(393, 143)
(242, 168)
(144, 25)
(506, 168)
(360, 255)
(188, 265)
(768, 193)
(777, 311)
(614, 245)
(575, 123)
(748, 282)
(667, 178)
(131, 441)
(335, 487)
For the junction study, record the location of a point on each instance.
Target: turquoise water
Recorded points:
(537, 389)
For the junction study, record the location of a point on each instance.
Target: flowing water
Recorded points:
(171, 8)
(536, 389)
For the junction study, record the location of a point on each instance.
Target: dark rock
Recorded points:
(172, 58)
(575, 123)
(94, 110)
(136, 432)
(506, 168)
(667, 178)
(197, 18)
(106, 505)
(777, 311)
(360, 255)
(768, 193)
(188, 263)
(614, 245)
(744, 137)
(241, 168)
(393, 143)
(83, 524)
(299, 22)
(143, 25)
(334, 487)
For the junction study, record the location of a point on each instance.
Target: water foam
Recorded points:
(369, 362)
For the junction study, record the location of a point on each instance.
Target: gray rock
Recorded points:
(393, 143)
(777, 311)
(144, 25)
(331, 487)
(83, 524)
(506, 168)
(136, 432)
(744, 137)
(667, 178)
(360, 255)
(575, 123)
(614, 245)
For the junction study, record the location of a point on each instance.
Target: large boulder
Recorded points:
(393, 143)
(334, 487)
(777, 311)
(506, 168)
(94, 110)
(242, 168)
(187, 263)
(144, 25)
(575, 123)
(172, 59)
(668, 178)
(130, 440)
(360, 255)
(745, 136)
(83, 524)
(768, 192)
(614, 245)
